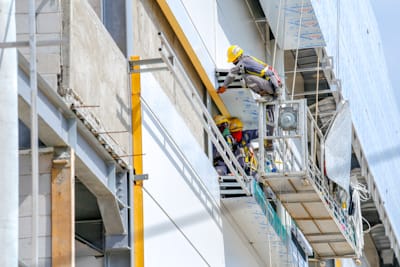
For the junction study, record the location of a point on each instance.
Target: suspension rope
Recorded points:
(297, 48)
(177, 227)
(337, 36)
(316, 112)
(277, 34)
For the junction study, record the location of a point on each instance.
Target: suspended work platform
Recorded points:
(290, 163)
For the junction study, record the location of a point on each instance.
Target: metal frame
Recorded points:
(146, 63)
(308, 167)
(191, 93)
(293, 164)
(59, 125)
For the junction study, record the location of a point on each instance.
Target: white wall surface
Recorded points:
(180, 190)
(25, 207)
(89, 261)
(237, 253)
(212, 26)
(183, 223)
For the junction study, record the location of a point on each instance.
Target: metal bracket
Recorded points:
(140, 177)
(145, 62)
(26, 43)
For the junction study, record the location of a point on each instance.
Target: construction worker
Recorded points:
(223, 125)
(241, 145)
(259, 77)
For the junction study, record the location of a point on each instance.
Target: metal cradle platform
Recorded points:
(290, 163)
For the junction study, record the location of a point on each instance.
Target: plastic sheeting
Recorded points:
(338, 148)
(294, 15)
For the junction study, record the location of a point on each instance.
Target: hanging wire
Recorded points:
(363, 190)
(277, 33)
(337, 36)
(369, 225)
(297, 48)
(316, 113)
(177, 226)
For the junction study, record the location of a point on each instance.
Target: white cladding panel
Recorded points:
(176, 188)
(187, 191)
(212, 26)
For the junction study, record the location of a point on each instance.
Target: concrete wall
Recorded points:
(25, 206)
(96, 69)
(89, 261)
(48, 27)
(148, 21)
(97, 6)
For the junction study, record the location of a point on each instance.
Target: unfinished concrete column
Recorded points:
(8, 138)
(63, 208)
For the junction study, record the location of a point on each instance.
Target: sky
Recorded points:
(387, 13)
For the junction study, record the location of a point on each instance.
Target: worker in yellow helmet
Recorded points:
(241, 145)
(259, 76)
(222, 123)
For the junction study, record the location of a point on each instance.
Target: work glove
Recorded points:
(221, 90)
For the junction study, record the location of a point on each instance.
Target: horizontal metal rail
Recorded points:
(339, 215)
(26, 43)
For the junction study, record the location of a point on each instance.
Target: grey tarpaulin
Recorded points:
(338, 148)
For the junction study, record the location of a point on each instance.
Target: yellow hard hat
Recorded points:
(233, 53)
(219, 119)
(236, 125)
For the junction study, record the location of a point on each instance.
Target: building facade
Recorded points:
(126, 141)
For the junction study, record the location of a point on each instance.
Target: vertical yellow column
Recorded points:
(138, 166)
(338, 263)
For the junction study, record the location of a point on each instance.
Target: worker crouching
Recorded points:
(241, 146)
(258, 76)
(223, 125)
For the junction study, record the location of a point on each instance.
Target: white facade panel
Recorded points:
(211, 27)
(237, 254)
(236, 26)
(181, 231)
(44, 206)
(192, 35)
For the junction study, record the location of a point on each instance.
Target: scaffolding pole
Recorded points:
(9, 138)
(34, 134)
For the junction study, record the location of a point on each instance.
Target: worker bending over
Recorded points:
(259, 77)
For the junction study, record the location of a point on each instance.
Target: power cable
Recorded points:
(297, 47)
(277, 33)
(176, 225)
(314, 157)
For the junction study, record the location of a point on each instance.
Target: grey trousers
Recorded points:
(260, 85)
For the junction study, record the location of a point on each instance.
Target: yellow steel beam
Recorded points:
(138, 166)
(192, 56)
